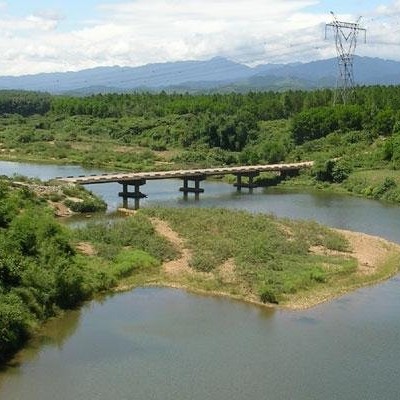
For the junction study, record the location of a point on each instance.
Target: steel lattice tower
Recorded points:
(346, 42)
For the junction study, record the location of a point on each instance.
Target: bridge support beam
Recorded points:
(186, 189)
(250, 183)
(136, 195)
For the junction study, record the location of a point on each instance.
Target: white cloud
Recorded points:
(144, 31)
(389, 10)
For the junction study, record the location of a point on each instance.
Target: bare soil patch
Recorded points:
(180, 265)
(60, 209)
(370, 251)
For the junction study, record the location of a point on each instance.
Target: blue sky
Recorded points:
(54, 35)
(349, 6)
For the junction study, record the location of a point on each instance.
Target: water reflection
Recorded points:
(170, 344)
(53, 334)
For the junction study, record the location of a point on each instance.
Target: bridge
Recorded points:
(138, 179)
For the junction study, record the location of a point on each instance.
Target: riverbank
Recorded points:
(336, 269)
(65, 200)
(377, 184)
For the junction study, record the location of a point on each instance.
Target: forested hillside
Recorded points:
(160, 131)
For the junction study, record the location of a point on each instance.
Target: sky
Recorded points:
(57, 36)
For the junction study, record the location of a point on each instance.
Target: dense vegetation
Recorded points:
(41, 272)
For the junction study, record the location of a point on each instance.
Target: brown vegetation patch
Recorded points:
(127, 211)
(227, 271)
(60, 209)
(86, 248)
(323, 251)
(286, 230)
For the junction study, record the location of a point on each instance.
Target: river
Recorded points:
(156, 343)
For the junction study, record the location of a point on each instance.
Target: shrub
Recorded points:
(385, 186)
(331, 170)
(268, 295)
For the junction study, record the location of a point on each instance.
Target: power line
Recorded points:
(346, 42)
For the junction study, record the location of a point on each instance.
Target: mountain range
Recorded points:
(215, 75)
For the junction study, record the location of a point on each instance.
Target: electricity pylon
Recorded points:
(346, 42)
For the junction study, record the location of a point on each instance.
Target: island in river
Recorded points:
(263, 259)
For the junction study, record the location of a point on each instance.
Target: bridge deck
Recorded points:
(177, 174)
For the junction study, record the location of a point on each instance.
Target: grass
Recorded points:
(377, 176)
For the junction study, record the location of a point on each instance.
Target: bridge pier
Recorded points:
(250, 184)
(186, 189)
(136, 195)
(288, 173)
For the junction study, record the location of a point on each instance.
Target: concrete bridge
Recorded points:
(137, 179)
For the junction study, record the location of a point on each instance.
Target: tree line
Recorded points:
(230, 122)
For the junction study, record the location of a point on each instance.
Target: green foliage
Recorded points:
(268, 295)
(384, 121)
(23, 103)
(335, 171)
(32, 247)
(380, 185)
(379, 191)
(145, 131)
(319, 122)
(129, 261)
(86, 206)
(15, 323)
(137, 233)
(391, 151)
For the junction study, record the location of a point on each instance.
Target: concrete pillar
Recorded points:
(136, 195)
(186, 189)
(239, 182)
(125, 195)
(197, 189)
(251, 183)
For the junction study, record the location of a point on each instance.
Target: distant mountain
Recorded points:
(367, 71)
(217, 74)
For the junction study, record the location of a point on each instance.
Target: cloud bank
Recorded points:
(148, 31)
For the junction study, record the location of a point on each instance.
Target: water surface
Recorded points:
(167, 344)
